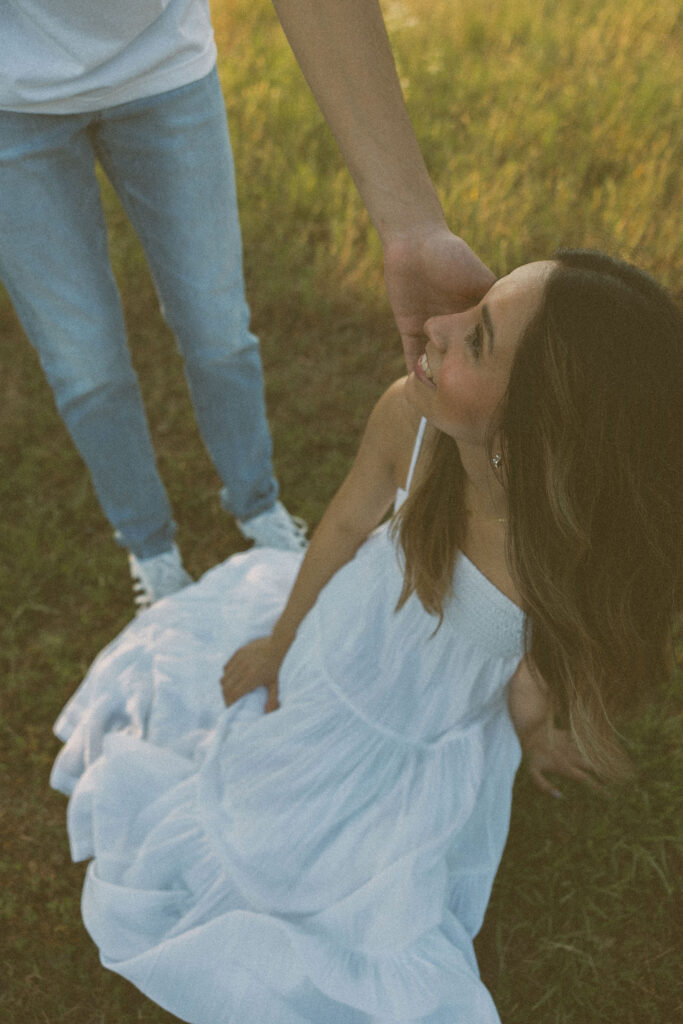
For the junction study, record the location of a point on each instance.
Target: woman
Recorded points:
(332, 861)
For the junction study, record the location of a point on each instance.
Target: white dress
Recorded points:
(329, 862)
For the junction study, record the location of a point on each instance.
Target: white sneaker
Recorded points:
(157, 577)
(275, 529)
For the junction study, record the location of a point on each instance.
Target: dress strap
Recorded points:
(416, 452)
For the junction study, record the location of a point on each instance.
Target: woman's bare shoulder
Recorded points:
(395, 412)
(397, 421)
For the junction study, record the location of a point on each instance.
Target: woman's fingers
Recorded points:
(566, 768)
(250, 667)
(581, 775)
(235, 681)
(272, 702)
(540, 781)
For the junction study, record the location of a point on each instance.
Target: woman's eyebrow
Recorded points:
(488, 325)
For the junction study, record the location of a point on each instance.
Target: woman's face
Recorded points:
(462, 377)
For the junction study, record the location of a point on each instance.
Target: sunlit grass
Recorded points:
(542, 124)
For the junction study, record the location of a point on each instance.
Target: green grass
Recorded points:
(542, 124)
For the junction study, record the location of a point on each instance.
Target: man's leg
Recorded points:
(169, 159)
(54, 263)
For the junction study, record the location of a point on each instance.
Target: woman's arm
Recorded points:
(545, 748)
(356, 509)
(344, 52)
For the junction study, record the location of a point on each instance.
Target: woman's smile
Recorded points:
(424, 371)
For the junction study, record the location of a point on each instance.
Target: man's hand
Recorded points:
(252, 666)
(344, 51)
(429, 273)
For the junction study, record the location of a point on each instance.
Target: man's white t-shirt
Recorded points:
(72, 56)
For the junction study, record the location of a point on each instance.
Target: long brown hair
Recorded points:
(592, 444)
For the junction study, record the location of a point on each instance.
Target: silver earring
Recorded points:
(496, 460)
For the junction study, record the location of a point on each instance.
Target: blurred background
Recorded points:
(542, 125)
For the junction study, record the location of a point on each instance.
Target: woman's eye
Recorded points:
(474, 340)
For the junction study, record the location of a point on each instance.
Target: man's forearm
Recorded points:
(344, 52)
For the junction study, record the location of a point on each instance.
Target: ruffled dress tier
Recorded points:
(329, 862)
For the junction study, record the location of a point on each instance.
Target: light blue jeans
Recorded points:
(169, 159)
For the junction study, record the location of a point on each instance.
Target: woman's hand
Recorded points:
(256, 664)
(547, 749)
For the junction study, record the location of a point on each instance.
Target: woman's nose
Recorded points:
(435, 329)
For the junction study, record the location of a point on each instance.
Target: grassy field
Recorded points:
(543, 124)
